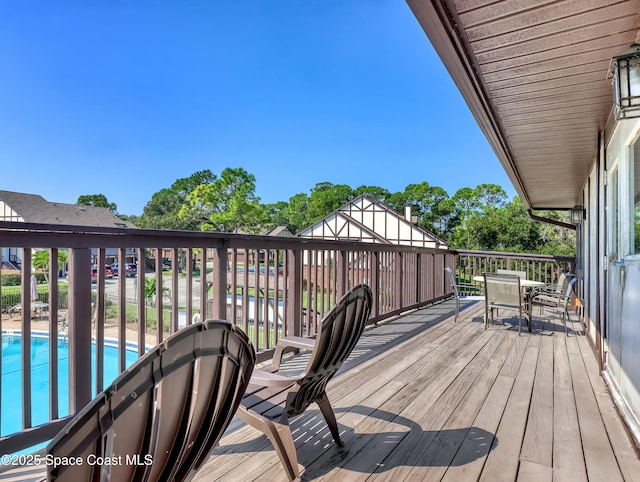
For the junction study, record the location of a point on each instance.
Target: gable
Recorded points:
(369, 221)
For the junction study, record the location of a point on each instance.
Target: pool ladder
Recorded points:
(65, 339)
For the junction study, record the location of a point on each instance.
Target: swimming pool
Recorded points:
(11, 402)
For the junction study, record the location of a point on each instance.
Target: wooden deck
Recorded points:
(424, 398)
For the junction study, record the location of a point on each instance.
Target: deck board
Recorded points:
(424, 398)
(538, 439)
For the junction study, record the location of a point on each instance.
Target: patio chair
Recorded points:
(160, 419)
(272, 398)
(458, 288)
(503, 291)
(558, 302)
(520, 274)
(555, 290)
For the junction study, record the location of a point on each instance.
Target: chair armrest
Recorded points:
(299, 342)
(464, 287)
(261, 377)
(468, 285)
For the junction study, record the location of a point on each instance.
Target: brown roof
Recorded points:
(33, 208)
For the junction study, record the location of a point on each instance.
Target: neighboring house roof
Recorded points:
(366, 220)
(282, 231)
(32, 208)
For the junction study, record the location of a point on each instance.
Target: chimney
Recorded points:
(408, 217)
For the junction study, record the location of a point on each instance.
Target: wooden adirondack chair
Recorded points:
(272, 398)
(160, 419)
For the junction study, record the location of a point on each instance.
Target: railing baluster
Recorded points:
(189, 284)
(220, 258)
(175, 290)
(204, 286)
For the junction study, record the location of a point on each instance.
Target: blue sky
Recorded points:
(124, 97)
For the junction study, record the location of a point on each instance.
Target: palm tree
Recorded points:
(150, 291)
(40, 260)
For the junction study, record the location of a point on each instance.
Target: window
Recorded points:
(635, 189)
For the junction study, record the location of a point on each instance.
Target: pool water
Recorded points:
(11, 402)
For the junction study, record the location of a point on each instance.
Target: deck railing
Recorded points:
(538, 267)
(270, 286)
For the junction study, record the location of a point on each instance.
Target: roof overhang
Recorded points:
(534, 75)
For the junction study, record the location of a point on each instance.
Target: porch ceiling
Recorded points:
(534, 74)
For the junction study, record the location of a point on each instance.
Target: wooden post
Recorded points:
(26, 337)
(220, 260)
(341, 273)
(375, 285)
(294, 287)
(53, 333)
(79, 328)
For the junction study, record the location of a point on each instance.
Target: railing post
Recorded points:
(159, 295)
(375, 285)
(397, 281)
(79, 328)
(53, 333)
(418, 277)
(26, 337)
(204, 284)
(175, 289)
(341, 273)
(294, 287)
(220, 261)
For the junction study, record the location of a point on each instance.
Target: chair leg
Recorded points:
(329, 416)
(455, 320)
(279, 433)
(520, 323)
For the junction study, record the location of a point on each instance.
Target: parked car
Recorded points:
(131, 270)
(108, 272)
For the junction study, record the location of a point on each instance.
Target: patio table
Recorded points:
(36, 308)
(528, 286)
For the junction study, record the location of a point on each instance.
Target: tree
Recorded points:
(491, 196)
(326, 198)
(424, 200)
(40, 260)
(97, 200)
(150, 291)
(228, 204)
(297, 213)
(374, 193)
(163, 210)
(277, 213)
